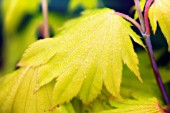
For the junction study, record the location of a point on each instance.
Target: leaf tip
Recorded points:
(53, 108)
(139, 77)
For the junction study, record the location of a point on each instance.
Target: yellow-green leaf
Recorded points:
(84, 3)
(136, 89)
(45, 49)
(160, 12)
(10, 79)
(20, 40)
(18, 94)
(87, 54)
(150, 105)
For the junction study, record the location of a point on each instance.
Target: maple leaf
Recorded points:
(137, 90)
(85, 3)
(150, 105)
(18, 94)
(87, 53)
(159, 12)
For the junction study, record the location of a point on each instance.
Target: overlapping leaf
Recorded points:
(137, 106)
(136, 100)
(25, 80)
(18, 94)
(88, 53)
(159, 12)
(131, 89)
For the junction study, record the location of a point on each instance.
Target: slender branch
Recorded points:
(141, 18)
(147, 6)
(130, 19)
(146, 35)
(155, 69)
(45, 32)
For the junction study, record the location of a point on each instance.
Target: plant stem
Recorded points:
(146, 35)
(155, 69)
(129, 19)
(147, 6)
(45, 32)
(141, 19)
(151, 55)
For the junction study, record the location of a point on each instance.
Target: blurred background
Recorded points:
(21, 24)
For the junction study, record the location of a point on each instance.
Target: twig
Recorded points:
(141, 19)
(155, 69)
(146, 36)
(147, 6)
(129, 19)
(45, 32)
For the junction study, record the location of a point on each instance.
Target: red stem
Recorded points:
(147, 6)
(129, 19)
(155, 69)
(146, 35)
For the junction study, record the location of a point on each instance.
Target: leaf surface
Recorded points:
(87, 53)
(159, 12)
(18, 94)
(137, 106)
(135, 88)
(21, 40)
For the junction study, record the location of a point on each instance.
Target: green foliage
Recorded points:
(16, 41)
(88, 62)
(150, 105)
(14, 10)
(80, 69)
(159, 12)
(84, 3)
(21, 84)
(18, 94)
(136, 89)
